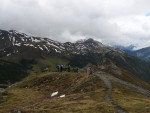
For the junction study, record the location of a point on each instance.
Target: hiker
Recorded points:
(58, 68)
(89, 70)
(61, 68)
(69, 68)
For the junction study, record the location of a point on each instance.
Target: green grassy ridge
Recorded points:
(75, 81)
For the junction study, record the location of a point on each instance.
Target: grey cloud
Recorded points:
(70, 20)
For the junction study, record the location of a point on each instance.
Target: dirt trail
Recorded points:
(107, 81)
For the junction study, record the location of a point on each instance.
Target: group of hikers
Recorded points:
(60, 68)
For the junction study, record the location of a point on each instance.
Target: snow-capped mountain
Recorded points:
(16, 43)
(12, 42)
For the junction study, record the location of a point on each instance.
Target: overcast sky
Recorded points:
(120, 22)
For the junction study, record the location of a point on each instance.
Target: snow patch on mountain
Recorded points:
(17, 44)
(57, 51)
(35, 40)
(53, 45)
(30, 45)
(40, 47)
(8, 54)
(46, 47)
(13, 40)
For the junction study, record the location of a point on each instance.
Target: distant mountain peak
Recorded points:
(85, 40)
(90, 40)
(12, 30)
(13, 42)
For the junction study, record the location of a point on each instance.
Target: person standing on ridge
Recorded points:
(89, 70)
(69, 68)
(61, 67)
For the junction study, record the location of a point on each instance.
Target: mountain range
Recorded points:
(15, 43)
(23, 49)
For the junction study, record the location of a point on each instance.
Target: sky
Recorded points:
(112, 22)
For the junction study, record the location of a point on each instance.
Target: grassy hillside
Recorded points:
(83, 93)
(131, 101)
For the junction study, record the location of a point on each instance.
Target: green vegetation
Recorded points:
(84, 93)
(33, 95)
(129, 100)
(138, 67)
(48, 62)
(11, 72)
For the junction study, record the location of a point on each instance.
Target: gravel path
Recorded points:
(107, 81)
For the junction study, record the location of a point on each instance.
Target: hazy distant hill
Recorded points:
(143, 53)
